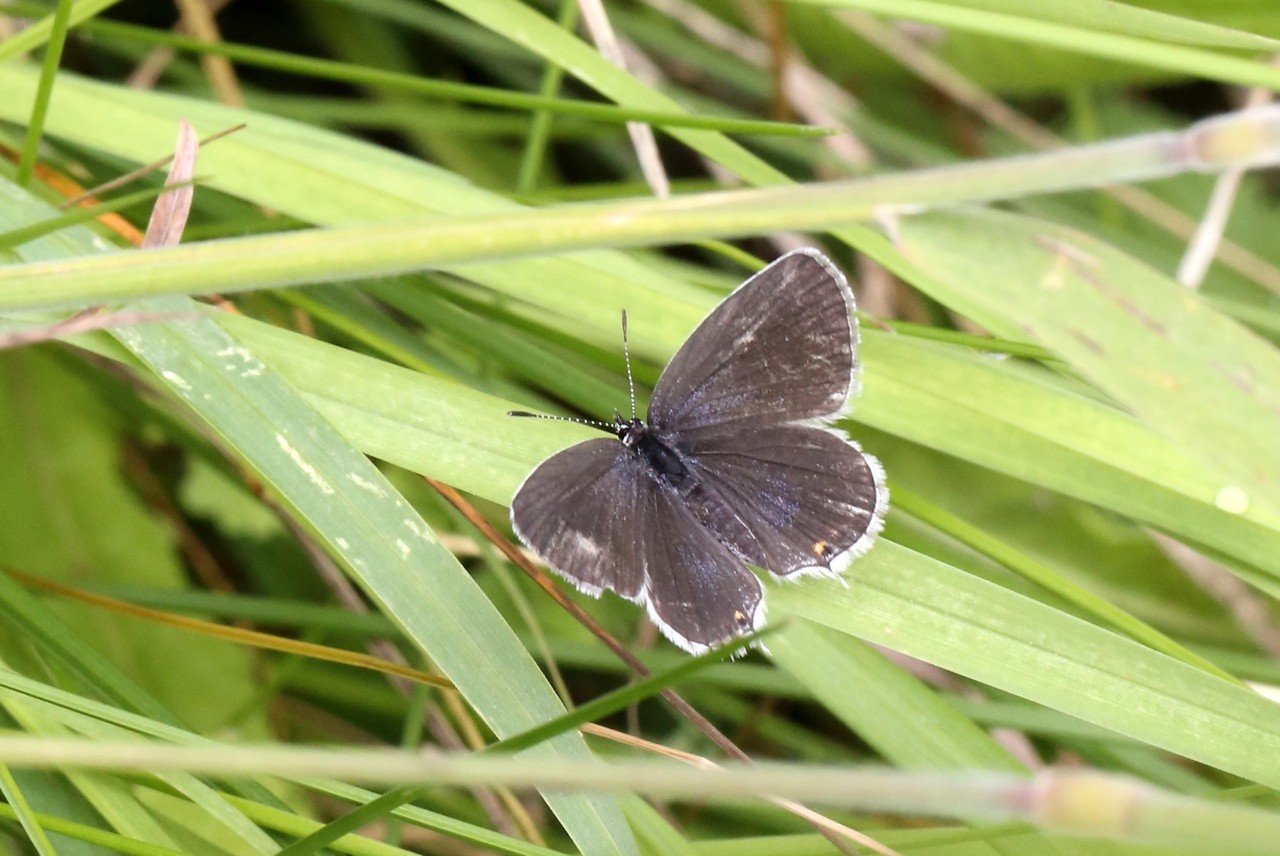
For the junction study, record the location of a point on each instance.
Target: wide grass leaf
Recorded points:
(1029, 424)
(1205, 382)
(930, 610)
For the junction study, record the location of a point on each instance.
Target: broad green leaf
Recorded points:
(1025, 424)
(1203, 381)
(908, 723)
(932, 611)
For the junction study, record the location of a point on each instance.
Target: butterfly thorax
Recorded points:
(663, 461)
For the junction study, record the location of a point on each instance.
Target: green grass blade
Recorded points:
(939, 614)
(1200, 379)
(40, 107)
(905, 721)
(1028, 568)
(1125, 19)
(1027, 425)
(449, 90)
(1026, 30)
(624, 697)
(30, 822)
(23, 234)
(347, 502)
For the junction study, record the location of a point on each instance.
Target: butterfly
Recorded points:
(735, 464)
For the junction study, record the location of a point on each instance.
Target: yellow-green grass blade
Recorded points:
(657, 835)
(23, 234)
(108, 796)
(1024, 424)
(31, 824)
(236, 832)
(554, 370)
(939, 614)
(1087, 603)
(1127, 19)
(298, 826)
(909, 724)
(59, 702)
(1173, 58)
(904, 720)
(350, 506)
(1113, 556)
(1203, 381)
(40, 105)
(106, 841)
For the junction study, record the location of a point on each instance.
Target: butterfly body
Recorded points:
(661, 460)
(734, 466)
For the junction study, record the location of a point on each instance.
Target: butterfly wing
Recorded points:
(779, 349)
(793, 499)
(602, 522)
(582, 511)
(698, 593)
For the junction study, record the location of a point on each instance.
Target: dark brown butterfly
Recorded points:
(734, 465)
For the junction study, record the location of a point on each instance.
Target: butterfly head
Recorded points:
(630, 431)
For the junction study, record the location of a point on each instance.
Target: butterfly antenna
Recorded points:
(592, 422)
(626, 355)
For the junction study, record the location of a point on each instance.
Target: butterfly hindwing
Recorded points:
(698, 592)
(601, 521)
(793, 499)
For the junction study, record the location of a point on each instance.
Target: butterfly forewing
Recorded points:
(581, 511)
(779, 349)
